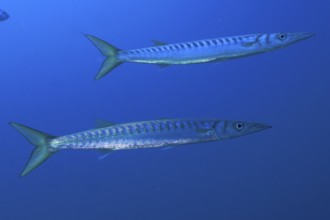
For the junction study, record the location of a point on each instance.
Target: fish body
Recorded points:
(193, 52)
(143, 134)
(3, 15)
(135, 135)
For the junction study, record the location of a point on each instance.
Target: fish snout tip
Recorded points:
(310, 34)
(264, 126)
(307, 35)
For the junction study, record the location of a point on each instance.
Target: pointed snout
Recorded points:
(302, 36)
(261, 126)
(306, 35)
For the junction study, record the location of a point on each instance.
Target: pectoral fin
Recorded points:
(248, 44)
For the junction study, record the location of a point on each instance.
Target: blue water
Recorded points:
(47, 71)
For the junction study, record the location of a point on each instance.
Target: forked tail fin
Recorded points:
(40, 140)
(107, 50)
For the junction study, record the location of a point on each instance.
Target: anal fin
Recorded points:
(104, 153)
(163, 65)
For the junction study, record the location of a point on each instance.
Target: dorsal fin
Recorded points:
(99, 123)
(158, 43)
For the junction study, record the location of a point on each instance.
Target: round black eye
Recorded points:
(239, 125)
(282, 36)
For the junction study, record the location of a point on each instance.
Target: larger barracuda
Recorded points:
(201, 51)
(144, 134)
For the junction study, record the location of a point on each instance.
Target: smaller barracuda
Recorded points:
(201, 51)
(144, 134)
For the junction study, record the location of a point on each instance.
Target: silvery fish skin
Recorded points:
(193, 52)
(144, 134)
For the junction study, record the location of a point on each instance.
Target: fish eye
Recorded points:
(281, 36)
(239, 126)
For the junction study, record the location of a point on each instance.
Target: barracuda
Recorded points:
(201, 51)
(144, 134)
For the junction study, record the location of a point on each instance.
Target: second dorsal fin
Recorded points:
(99, 123)
(158, 43)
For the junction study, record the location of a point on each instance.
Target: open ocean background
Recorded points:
(47, 70)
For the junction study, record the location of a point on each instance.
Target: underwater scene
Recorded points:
(166, 110)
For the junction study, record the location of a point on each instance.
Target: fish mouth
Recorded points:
(261, 126)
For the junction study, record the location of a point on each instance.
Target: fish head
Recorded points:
(3, 15)
(232, 129)
(279, 40)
